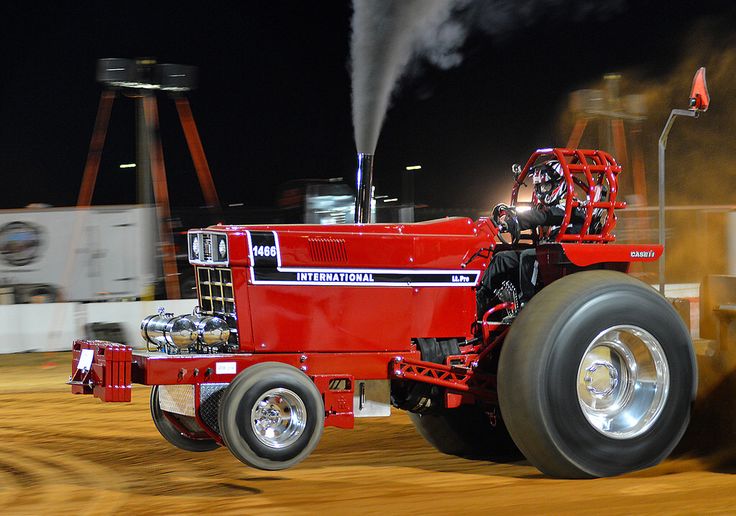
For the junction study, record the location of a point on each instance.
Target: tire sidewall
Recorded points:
(466, 432)
(242, 395)
(572, 434)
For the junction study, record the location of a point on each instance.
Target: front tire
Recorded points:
(596, 377)
(271, 416)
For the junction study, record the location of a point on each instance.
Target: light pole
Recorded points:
(407, 194)
(699, 101)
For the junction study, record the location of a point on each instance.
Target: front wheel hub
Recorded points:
(278, 418)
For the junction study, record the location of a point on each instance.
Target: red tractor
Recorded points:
(299, 327)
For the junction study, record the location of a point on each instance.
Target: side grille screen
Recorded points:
(216, 290)
(209, 403)
(328, 250)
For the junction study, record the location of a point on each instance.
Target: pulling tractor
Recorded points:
(299, 327)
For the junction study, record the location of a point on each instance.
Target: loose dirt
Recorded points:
(62, 454)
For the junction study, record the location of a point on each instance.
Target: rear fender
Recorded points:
(557, 260)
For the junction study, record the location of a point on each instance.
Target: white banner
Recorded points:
(54, 326)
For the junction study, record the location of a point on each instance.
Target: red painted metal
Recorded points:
(699, 96)
(587, 174)
(95, 148)
(109, 378)
(489, 327)
(285, 319)
(338, 402)
(161, 193)
(460, 379)
(588, 254)
(246, 340)
(155, 368)
(577, 133)
(334, 319)
(197, 151)
(339, 333)
(433, 244)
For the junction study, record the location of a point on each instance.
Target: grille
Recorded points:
(209, 403)
(207, 244)
(328, 250)
(216, 290)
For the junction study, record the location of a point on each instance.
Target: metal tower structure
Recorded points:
(141, 79)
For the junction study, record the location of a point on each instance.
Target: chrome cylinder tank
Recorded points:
(167, 329)
(213, 331)
(184, 331)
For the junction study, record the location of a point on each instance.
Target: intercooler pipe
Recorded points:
(364, 185)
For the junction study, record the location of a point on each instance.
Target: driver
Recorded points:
(521, 267)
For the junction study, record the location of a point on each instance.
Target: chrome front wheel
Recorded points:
(279, 418)
(271, 416)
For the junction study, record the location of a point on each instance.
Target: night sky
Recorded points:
(273, 101)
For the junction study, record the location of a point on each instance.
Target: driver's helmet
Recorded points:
(549, 184)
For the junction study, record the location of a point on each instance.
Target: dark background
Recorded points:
(273, 101)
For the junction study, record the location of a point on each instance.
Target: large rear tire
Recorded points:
(271, 416)
(596, 377)
(467, 431)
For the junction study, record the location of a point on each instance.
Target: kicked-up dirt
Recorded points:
(65, 454)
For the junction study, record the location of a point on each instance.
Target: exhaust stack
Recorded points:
(364, 185)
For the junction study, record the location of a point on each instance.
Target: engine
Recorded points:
(212, 327)
(195, 333)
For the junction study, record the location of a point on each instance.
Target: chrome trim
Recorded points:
(213, 237)
(278, 418)
(623, 381)
(185, 332)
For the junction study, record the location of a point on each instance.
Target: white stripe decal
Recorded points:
(267, 274)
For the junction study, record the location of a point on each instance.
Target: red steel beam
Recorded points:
(161, 194)
(95, 148)
(197, 151)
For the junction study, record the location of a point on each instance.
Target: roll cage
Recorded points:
(591, 177)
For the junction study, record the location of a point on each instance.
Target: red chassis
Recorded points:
(347, 305)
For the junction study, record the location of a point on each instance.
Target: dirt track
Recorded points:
(61, 453)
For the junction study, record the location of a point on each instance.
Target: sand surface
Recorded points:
(65, 454)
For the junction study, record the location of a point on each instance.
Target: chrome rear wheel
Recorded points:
(623, 381)
(596, 376)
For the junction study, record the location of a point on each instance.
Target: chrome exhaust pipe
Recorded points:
(364, 186)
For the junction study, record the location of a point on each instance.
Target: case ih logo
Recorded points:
(20, 243)
(642, 254)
